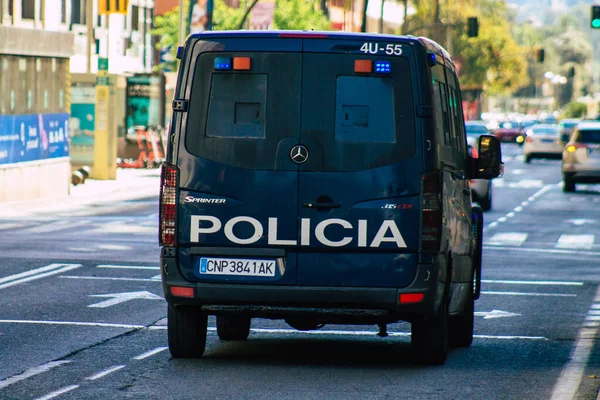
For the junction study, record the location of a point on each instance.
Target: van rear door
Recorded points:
(238, 185)
(359, 201)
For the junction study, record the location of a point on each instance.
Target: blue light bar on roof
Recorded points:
(223, 63)
(383, 67)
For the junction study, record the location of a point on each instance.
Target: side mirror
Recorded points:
(489, 165)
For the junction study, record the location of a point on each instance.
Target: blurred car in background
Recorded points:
(508, 131)
(481, 189)
(525, 124)
(542, 141)
(566, 127)
(581, 156)
(476, 128)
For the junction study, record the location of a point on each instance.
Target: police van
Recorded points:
(320, 178)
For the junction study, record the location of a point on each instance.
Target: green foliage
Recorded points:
(575, 110)
(166, 27)
(226, 18)
(300, 14)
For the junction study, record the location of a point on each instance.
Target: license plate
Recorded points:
(237, 266)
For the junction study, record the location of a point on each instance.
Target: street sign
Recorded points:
(102, 81)
(102, 64)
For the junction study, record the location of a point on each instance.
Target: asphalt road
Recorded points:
(83, 315)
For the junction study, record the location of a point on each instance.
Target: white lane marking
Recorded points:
(100, 278)
(61, 268)
(572, 374)
(524, 183)
(518, 171)
(126, 267)
(102, 374)
(11, 226)
(529, 294)
(71, 323)
(592, 318)
(58, 392)
(361, 333)
(518, 209)
(575, 242)
(495, 314)
(113, 247)
(560, 283)
(581, 221)
(150, 353)
(502, 219)
(493, 224)
(507, 238)
(118, 298)
(590, 324)
(31, 372)
(594, 312)
(56, 226)
(510, 214)
(551, 251)
(595, 306)
(30, 272)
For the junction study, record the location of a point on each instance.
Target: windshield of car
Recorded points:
(545, 129)
(475, 129)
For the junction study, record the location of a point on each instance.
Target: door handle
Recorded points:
(321, 205)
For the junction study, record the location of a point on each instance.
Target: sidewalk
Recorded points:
(131, 184)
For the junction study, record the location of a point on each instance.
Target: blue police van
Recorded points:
(320, 178)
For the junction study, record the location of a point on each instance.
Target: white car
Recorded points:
(543, 141)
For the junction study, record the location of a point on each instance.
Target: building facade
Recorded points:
(35, 49)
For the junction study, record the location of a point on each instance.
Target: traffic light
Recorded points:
(106, 7)
(595, 20)
(539, 55)
(472, 27)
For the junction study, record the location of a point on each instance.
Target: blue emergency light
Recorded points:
(383, 67)
(222, 63)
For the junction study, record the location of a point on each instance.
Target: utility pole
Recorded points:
(181, 23)
(89, 16)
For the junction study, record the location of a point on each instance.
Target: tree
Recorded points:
(166, 27)
(300, 14)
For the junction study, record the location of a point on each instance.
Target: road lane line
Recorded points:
(56, 226)
(126, 267)
(73, 323)
(529, 294)
(101, 278)
(507, 238)
(550, 283)
(58, 392)
(150, 353)
(107, 371)
(575, 242)
(572, 374)
(31, 372)
(67, 267)
(540, 250)
(31, 272)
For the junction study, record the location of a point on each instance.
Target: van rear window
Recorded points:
(364, 110)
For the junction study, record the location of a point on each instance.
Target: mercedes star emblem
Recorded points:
(299, 154)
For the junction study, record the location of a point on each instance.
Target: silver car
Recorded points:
(581, 156)
(542, 141)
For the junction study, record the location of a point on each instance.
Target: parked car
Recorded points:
(542, 141)
(481, 189)
(566, 126)
(508, 131)
(581, 156)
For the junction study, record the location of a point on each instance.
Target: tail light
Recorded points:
(572, 147)
(168, 205)
(474, 152)
(431, 212)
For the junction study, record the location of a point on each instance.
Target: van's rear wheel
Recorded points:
(233, 327)
(186, 328)
(429, 336)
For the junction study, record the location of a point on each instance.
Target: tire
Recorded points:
(429, 336)
(460, 327)
(186, 328)
(486, 202)
(233, 327)
(568, 185)
(527, 159)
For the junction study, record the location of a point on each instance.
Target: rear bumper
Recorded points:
(325, 303)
